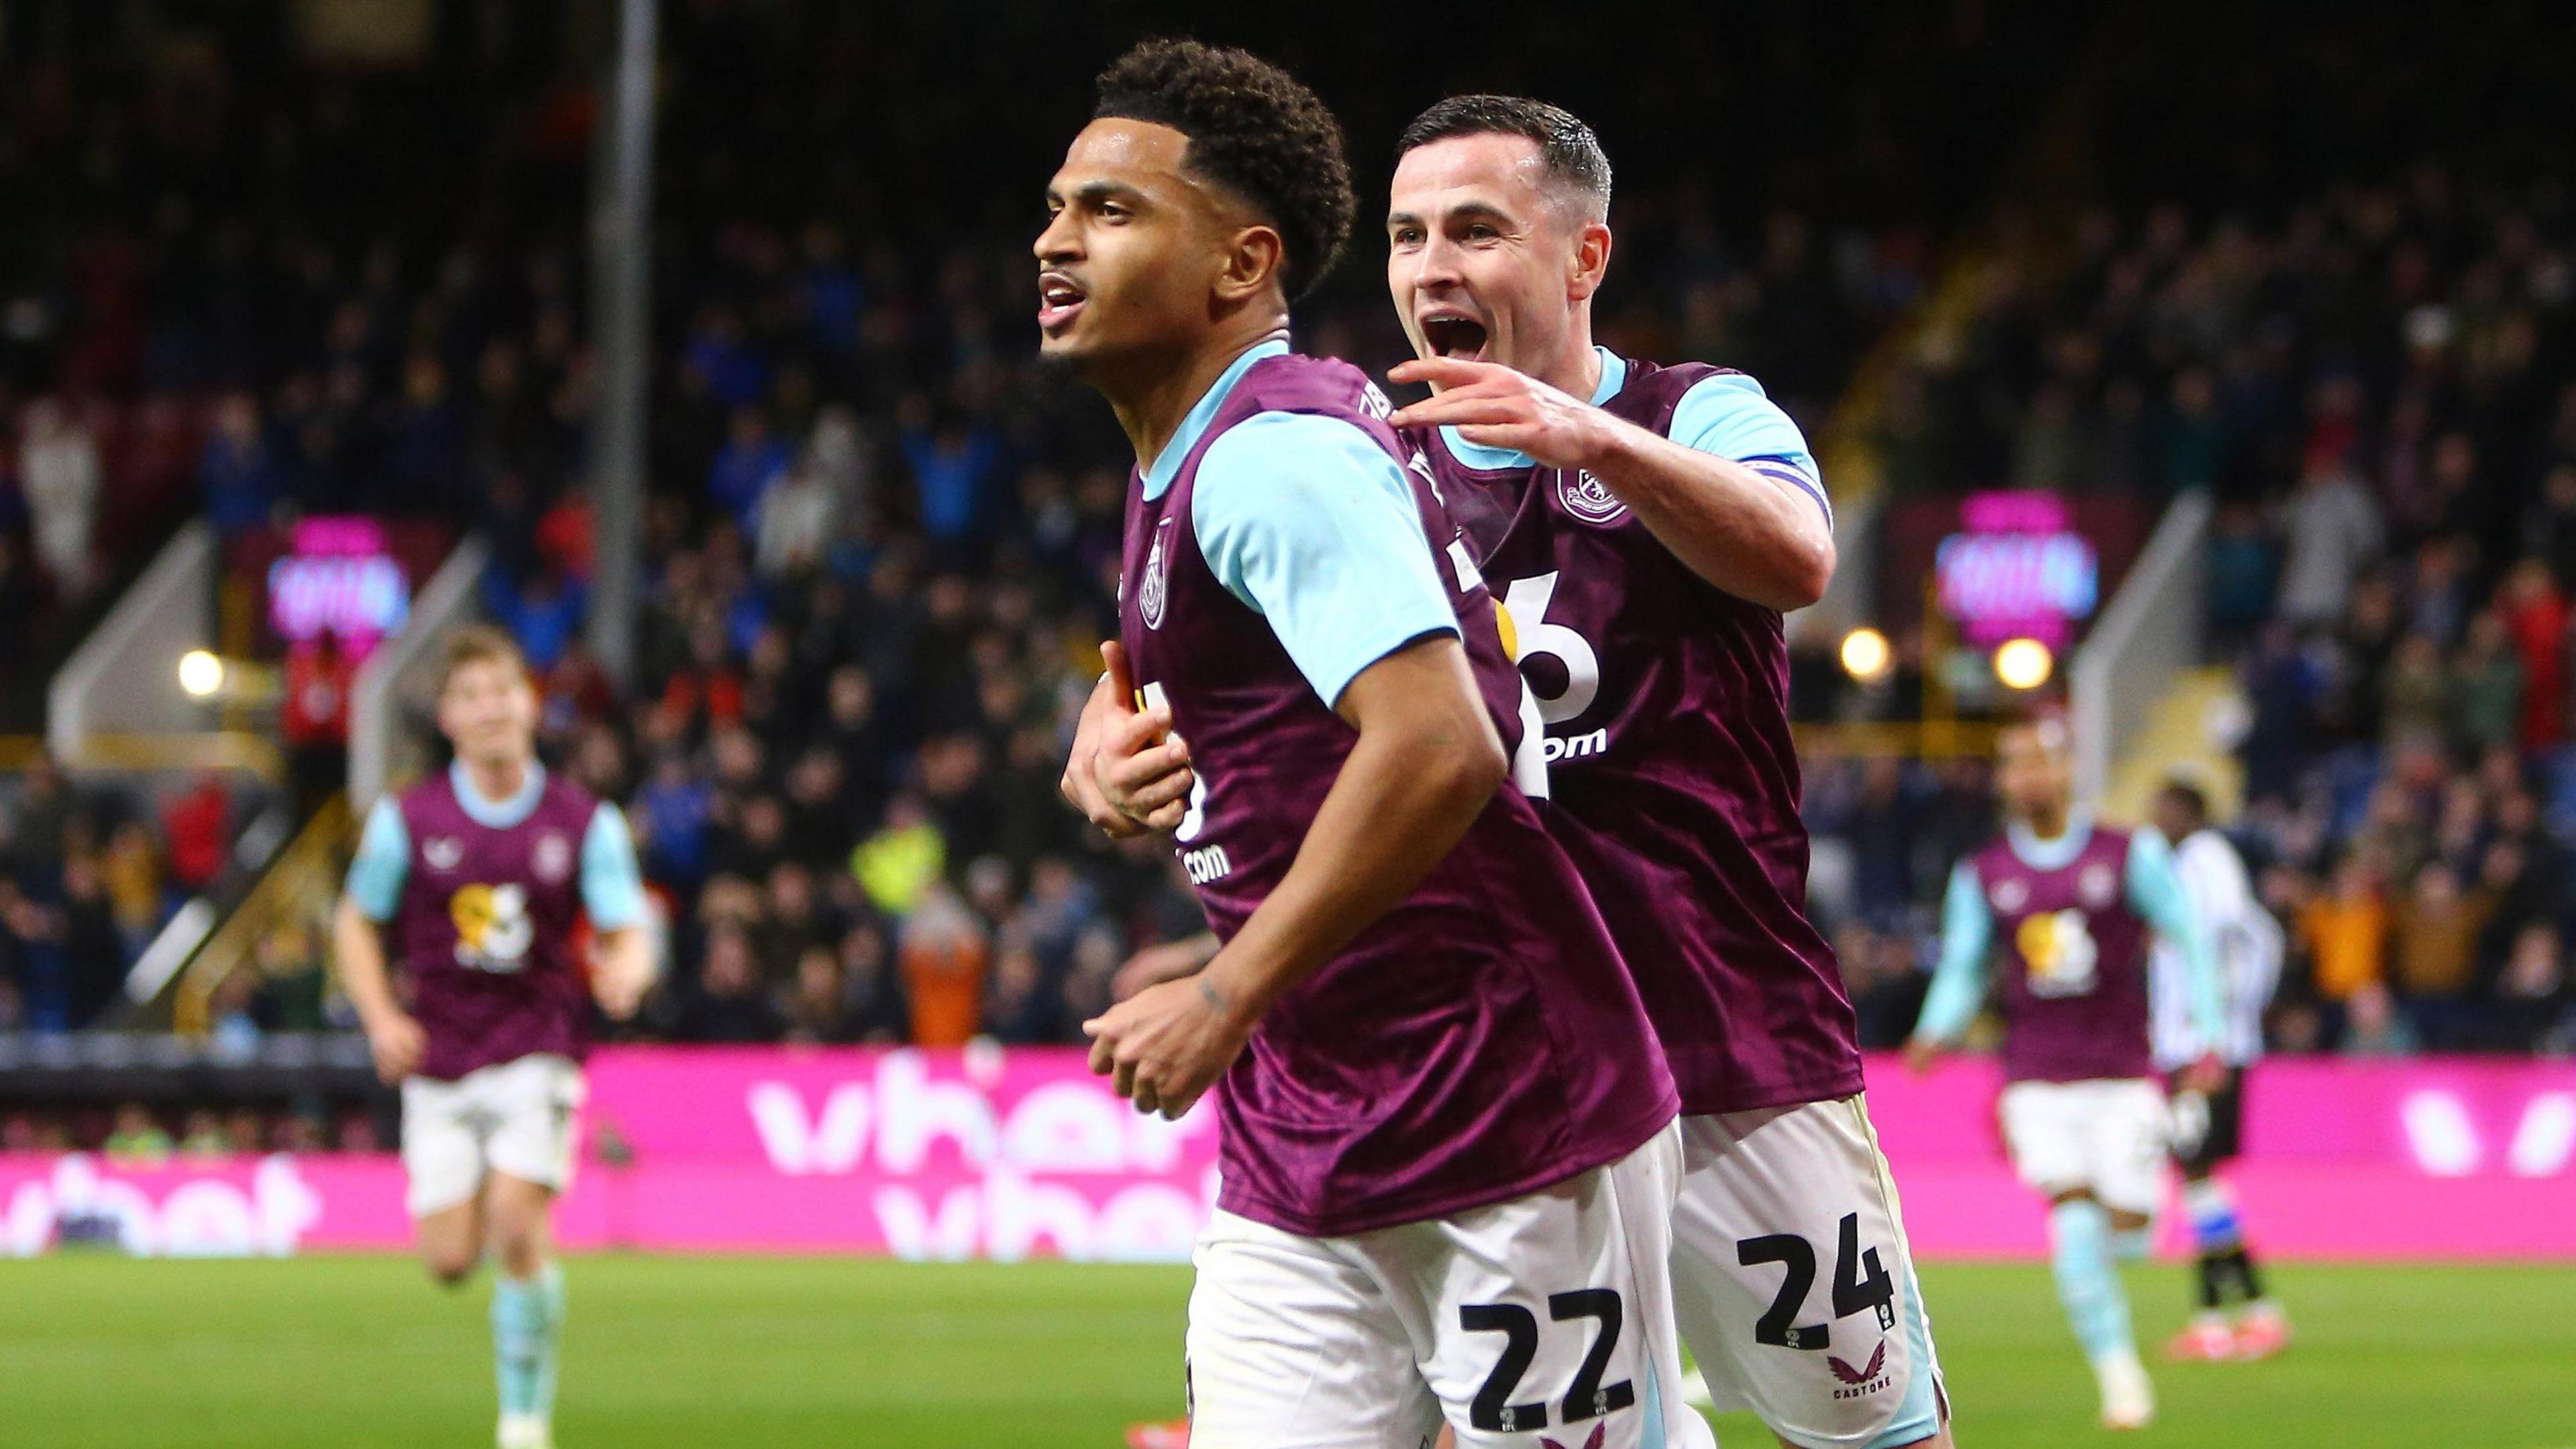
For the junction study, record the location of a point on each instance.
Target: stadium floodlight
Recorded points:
(1866, 656)
(2024, 663)
(201, 674)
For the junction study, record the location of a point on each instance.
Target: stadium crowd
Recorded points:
(880, 543)
(880, 540)
(2374, 386)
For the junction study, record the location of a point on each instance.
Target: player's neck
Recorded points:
(1152, 405)
(497, 781)
(2049, 824)
(1576, 369)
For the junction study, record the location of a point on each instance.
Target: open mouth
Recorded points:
(1453, 335)
(1059, 301)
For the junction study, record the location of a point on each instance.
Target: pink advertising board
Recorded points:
(991, 1154)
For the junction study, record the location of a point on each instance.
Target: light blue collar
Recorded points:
(1167, 464)
(2053, 854)
(1614, 376)
(497, 814)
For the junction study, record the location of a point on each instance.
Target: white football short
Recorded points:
(2108, 1136)
(514, 1117)
(1792, 1280)
(1543, 1320)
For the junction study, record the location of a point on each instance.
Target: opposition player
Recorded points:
(2246, 942)
(481, 875)
(2083, 1115)
(1446, 1153)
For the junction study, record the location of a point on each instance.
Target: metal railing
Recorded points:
(391, 692)
(2150, 633)
(123, 680)
(304, 879)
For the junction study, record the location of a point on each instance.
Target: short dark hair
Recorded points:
(2188, 795)
(1253, 130)
(1568, 149)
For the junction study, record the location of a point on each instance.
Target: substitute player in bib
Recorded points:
(1646, 526)
(2083, 1114)
(2246, 943)
(480, 875)
(1446, 1150)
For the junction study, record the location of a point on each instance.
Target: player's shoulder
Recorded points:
(568, 797)
(1293, 382)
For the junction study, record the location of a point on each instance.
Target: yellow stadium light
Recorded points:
(2024, 663)
(1866, 655)
(201, 674)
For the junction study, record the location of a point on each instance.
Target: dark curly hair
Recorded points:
(1567, 148)
(1252, 130)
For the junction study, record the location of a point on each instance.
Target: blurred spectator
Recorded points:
(239, 474)
(2334, 529)
(944, 954)
(197, 825)
(2535, 1005)
(2373, 1027)
(730, 1002)
(58, 471)
(138, 1139)
(2435, 930)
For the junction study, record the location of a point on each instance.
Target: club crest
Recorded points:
(442, 852)
(1149, 590)
(2010, 894)
(1585, 498)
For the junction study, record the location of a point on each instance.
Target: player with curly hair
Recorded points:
(1447, 1152)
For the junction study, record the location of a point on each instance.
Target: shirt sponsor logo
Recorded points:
(1584, 496)
(552, 859)
(1149, 594)
(442, 852)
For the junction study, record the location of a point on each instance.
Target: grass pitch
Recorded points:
(99, 1353)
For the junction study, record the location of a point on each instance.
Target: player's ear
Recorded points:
(1589, 261)
(1256, 259)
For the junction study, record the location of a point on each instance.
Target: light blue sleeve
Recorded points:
(383, 860)
(1308, 521)
(612, 884)
(1959, 980)
(2156, 893)
(1728, 415)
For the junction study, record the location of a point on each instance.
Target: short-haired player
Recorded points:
(1446, 1153)
(1645, 526)
(2069, 906)
(480, 876)
(2235, 1318)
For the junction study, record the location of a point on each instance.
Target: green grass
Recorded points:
(99, 1353)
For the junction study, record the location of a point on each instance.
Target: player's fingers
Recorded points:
(1453, 404)
(1169, 817)
(1122, 675)
(1149, 1097)
(1516, 436)
(1120, 776)
(1436, 370)
(1147, 795)
(1123, 1080)
(1137, 733)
